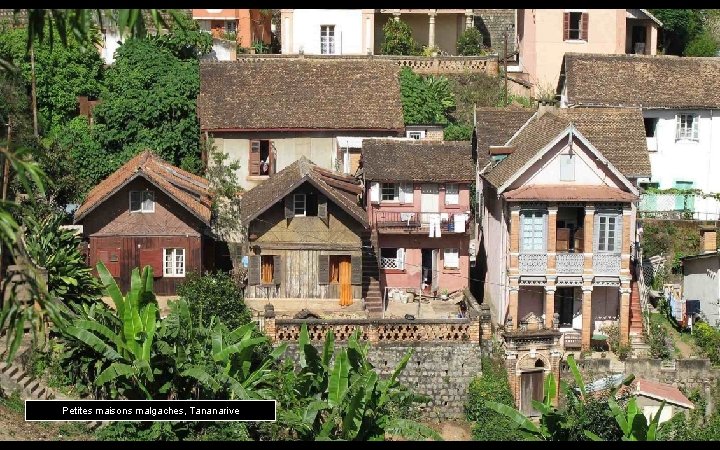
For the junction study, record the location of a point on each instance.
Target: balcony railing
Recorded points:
(679, 205)
(569, 263)
(391, 263)
(606, 263)
(421, 221)
(531, 263)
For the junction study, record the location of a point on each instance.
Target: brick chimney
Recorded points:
(709, 239)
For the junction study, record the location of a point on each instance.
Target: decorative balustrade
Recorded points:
(391, 263)
(606, 263)
(417, 221)
(569, 263)
(531, 263)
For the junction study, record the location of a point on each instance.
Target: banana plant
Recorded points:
(125, 346)
(632, 422)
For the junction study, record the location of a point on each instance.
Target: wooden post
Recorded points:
(33, 90)
(505, 36)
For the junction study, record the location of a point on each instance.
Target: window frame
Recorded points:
(296, 196)
(174, 262)
(655, 121)
(681, 134)
(264, 258)
(544, 232)
(604, 237)
(456, 194)
(420, 134)
(396, 192)
(143, 198)
(399, 258)
(327, 37)
(455, 251)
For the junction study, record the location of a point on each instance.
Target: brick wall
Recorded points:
(492, 23)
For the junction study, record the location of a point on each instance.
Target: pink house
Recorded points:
(418, 206)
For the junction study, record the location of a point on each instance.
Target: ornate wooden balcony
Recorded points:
(420, 222)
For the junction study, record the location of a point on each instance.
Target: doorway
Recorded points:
(429, 269)
(564, 305)
(429, 202)
(531, 388)
(341, 273)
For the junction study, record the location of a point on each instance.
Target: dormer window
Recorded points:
(142, 201)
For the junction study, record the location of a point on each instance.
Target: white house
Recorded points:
(679, 98)
(701, 278)
(327, 31)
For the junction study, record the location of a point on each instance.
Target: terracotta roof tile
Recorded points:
(417, 160)
(300, 93)
(186, 188)
(569, 193)
(618, 133)
(662, 391)
(341, 189)
(642, 81)
(497, 125)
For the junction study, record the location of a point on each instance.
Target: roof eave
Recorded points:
(240, 130)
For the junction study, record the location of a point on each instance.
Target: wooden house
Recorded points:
(149, 212)
(305, 236)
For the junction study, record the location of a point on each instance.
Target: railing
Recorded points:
(642, 288)
(606, 263)
(391, 263)
(569, 263)
(415, 220)
(678, 206)
(419, 64)
(532, 263)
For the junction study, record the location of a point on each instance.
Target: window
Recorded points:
(567, 168)
(575, 26)
(532, 232)
(327, 39)
(687, 127)
(392, 258)
(267, 268)
(452, 195)
(142, 201)
(650, 126)
(174, 262)
(299, 204)
(452, 258)
(261, 161)
(231, 26)
(416, 134)
(390, 192)
(334, 267)
(606, 233)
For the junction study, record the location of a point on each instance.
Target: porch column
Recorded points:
(468, 18)
(625, 312)
(514, 239)
(431, 31)
(586, 316)
(626, 241)
(549, 304)
(588, 241)
(513, 307)
(552, 237)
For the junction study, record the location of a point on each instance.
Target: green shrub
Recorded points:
(704, 44)
(492, 385)
(426, 100)
(470, 42)
(215, 294)
(708, 339)
(661, 345)
(458, 132)
(398, 39)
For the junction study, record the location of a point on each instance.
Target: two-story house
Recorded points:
(267, 113)
(545, 35)
(679, 100)
(558, 208)
(246, 25)
(417, 196)
(306, 231)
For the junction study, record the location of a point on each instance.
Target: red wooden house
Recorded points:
(149, 213)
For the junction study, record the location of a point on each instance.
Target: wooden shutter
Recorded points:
(111, 259)
(596, 233)
(400, 258)
(254, 159)
(289, 207)
(356, 269)
(619, 233)
(154, 258)
(584, 26)
(322, 208)
(323, 269)
(374, 192)
(566, 26)
(406, 192)
(277, 269)
(254, 271)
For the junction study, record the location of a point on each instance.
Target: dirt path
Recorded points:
(14, 428)
(452, 431)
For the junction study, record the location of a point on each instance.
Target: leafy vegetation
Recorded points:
(492, 385)
(398, 39)
(470, 42)
(707, 339)
(225, 191)
(680, 26)
(426, 99)
(214, 295)
(704, 44)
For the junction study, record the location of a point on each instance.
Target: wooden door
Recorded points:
(345, 281)
(531, 388)
(429, 202)
(435, 253)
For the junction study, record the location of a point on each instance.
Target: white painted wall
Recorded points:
(698, 162)
(111, 42)
(587, 171)
(306, 31)
(701, 281)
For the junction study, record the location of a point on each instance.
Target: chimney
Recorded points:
(709, 239)
(543, 108)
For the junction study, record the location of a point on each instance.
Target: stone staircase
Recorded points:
(371, 278)
(640, 348)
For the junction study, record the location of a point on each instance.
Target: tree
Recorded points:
(398, 39)
(426, 100)
(470, 42)
(704, 44)
(679, 27)
(225, 191)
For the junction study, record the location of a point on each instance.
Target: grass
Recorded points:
(683, 341)
(13, 402)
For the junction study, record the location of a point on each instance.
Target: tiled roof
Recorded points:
(569, 193)
(341, 189)
(190, 191)
(662, 391)
(300, 94)
(642, 81)
(618, 133)
(417, 160)
(497, 125)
